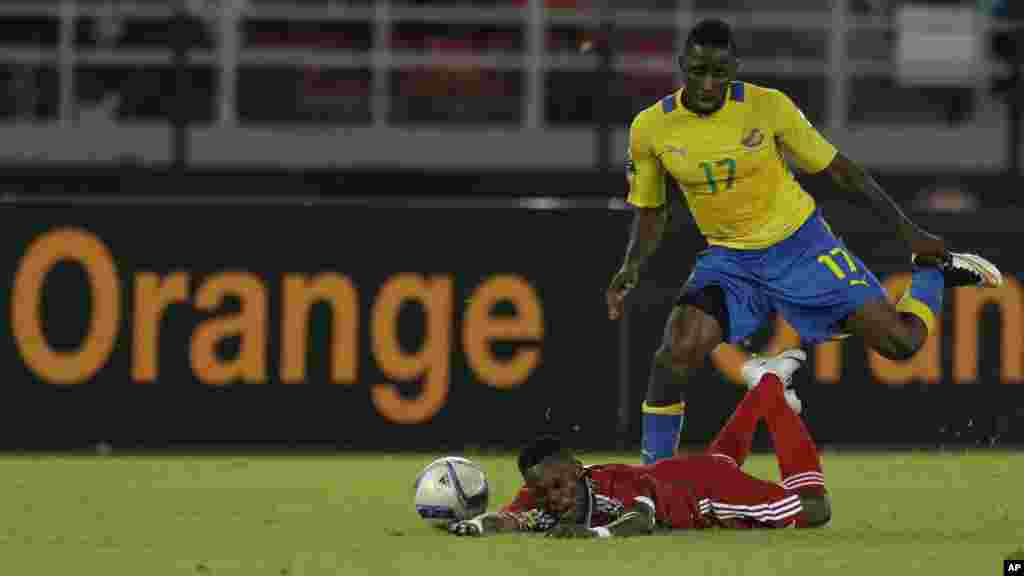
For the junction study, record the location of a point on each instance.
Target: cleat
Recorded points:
(961, 269)
(784, 366)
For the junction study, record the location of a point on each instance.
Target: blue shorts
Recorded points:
(810, 278)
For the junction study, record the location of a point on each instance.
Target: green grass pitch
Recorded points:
(894, 513)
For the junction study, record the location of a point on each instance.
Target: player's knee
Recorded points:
(817, 509)
(898, 348)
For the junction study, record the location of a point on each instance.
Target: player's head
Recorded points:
(709, 64)
(551, 473)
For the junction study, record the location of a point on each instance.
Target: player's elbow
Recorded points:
(817, 510)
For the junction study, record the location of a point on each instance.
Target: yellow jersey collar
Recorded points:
(674, 101)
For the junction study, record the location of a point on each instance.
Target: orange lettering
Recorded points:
(152, 296)
(300, 293)
(969, 304)
(249, 324)
(431, 361)
(43, 254)
(480, 329)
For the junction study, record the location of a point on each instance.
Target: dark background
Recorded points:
(567, 255)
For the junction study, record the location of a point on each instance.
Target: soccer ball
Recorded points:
(450, 489)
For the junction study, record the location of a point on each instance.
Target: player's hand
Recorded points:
(926, 245)
(472, 527)
(571, 531)
(623, 281)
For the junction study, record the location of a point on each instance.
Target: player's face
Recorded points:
(554, 488)
(708, 72)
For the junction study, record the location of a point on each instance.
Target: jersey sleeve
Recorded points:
(644, 172)
(674, 504)
(810, 150)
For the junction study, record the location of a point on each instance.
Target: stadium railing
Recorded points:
(530, 87)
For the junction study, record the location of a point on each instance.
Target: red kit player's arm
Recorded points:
(675, 506)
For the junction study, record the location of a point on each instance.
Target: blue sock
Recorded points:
(923, 297)
(661, 427)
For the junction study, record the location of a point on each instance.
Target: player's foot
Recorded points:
(794, 401)
(784, 366)
(961, 269)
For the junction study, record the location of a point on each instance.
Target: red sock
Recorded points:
(797, 455)
(733, 441)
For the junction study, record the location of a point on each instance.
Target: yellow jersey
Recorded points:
(729, 164)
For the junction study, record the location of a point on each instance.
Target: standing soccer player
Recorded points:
(566, 499)
(770, 250)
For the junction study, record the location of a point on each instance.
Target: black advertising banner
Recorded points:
(285, 325)
(182, 325)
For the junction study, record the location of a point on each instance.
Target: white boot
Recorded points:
(783, 366)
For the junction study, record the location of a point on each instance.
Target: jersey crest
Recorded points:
(754, 139)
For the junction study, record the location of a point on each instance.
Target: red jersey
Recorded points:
(698, 491)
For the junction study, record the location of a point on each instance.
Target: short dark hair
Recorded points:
(539, 450)
(713, 33)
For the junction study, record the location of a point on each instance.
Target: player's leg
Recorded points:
(719, 302)
(734, 439)
(822, 289)
(898, 331)
(798, 459)
(690, 334)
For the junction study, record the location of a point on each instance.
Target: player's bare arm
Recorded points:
(648, 228)
(851, 177)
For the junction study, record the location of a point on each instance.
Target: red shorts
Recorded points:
(727, 496)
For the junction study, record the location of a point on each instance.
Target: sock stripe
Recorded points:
(670, 410)
(802, 475)
(804, 479)
(810, 483)
(912, 305)
(725, 457)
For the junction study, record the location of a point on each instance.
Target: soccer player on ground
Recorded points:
(770, 250)
(566, 499)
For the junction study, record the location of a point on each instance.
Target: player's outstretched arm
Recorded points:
(849, 176)
(505, 521)
(639, 521)
(488, 523)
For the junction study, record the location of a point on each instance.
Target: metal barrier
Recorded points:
(374, 137)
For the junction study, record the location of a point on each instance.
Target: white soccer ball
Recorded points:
(450, 489)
